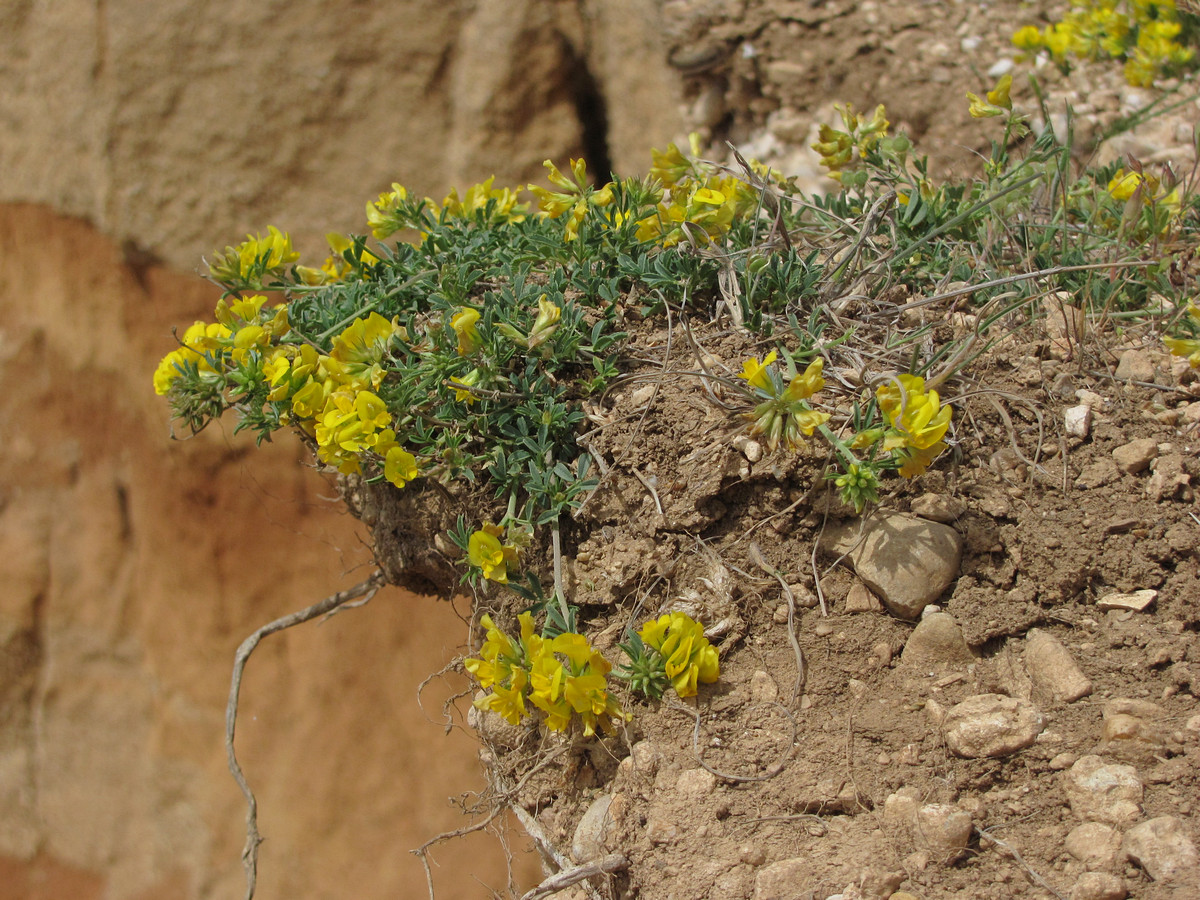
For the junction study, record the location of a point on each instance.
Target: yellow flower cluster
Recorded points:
(1187, 347)
(698, 200)
(332, 397)
(575, 196)
(837, 148)
(688, 658)
(917, 423)
(242, 327)
(1141, 32)
(784, 413)
(998, 102)
(393, 210)
(245, 266)
(562, 677)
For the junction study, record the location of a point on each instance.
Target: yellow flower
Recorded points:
(255, 258)
(545, 324)
(469, 338)
(386, 215)
(918, 416)
(669, 166)
(1122, 185)
(461, 385)
(400, 466)
(756, 374)
(804, 386)
(688, 656)
(1027, 38)
(485, 551)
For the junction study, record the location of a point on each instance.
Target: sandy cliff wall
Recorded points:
(135, 137)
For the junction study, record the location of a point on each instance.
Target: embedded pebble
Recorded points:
(1135, 365)
(1099, 886)
(937, 644)
(1104, 792)
(1137, 601)
(1077, 420)
(1170, 479)
(661, 831)
(944, 830)
(1054, 671)
(752, 854)
(593, 830)
(938, 507)
(1096, 845)
(763, 688)
(782, 880)
(991, 725)
(860, 599)
(696, 782)
(1136, 456)
(1161, 847)
(907, 562)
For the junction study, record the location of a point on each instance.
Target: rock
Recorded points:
(1137, 601)
(860, 599)
(937, 644)
(944, 830)
(646, 758)
(991, 725)
(1097, 474)
(907, 562)
(1135, 365)
(1077, 420)
(1096, 845)
(881, 884)
(661, 830)
(1170, 479)
(1129, 736)
(752, 854)
(696, 782)
(1053, 670)
(1104, 792)
(939, 507)
(1099, 886)
(1136, 456)
(763, 688)
(783, 880)
(1161, 847)
(593, 831)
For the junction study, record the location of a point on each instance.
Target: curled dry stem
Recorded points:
(325, 607)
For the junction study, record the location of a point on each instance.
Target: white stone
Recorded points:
(991, 725)
(1099, 886)
(1104, 792)
(1096, 845)
(1077, 420)
(1054, 671)
(1161, 847)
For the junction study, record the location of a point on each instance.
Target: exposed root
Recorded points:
(328, 606)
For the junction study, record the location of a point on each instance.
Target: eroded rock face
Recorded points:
(176, 130)
(132, 567)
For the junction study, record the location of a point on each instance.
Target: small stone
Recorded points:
(989, 725)
(1096, 845)
(1077, 420)
(1063, 761)
(907, 562)
(646, 758)
(780, 616)
(1104, 792)
(861, 600)
(1091, 399)
(1099, 886)
(944, 830)
(661, 831)
(783, 880)
(939, 507)
(1137, 601)
(1130, 737)
(1053, 670)
(752, 854)
(751, 449)
(1170, 479)
(1136, 456)
(881, 652)
(937, 644)
(878, 884)
(1130, 706)
(696, 782)
(1161, 847)
(1135, 365)
(1097, 474)
(593, 830)
(763, 688)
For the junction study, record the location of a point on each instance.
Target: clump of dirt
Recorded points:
(825, 761)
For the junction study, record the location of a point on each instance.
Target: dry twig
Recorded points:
(327, 606)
